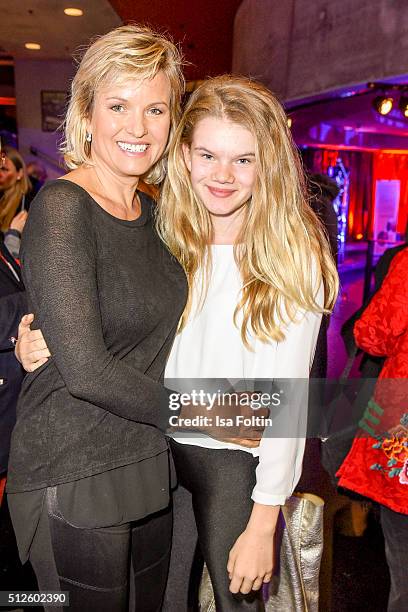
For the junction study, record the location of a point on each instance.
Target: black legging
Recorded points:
(93, 564)
(220, 483)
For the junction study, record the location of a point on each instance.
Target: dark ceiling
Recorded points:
(204, 29)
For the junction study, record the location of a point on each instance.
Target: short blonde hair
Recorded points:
(126, 53)
(282, 251)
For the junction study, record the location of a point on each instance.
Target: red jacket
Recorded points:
(377, 467)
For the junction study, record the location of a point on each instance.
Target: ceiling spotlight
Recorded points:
(383, 104)
(33, 46)
(73, 12)
(403, 104)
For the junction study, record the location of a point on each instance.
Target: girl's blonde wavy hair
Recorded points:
(11, 198)
(281, 238)
(126, 53)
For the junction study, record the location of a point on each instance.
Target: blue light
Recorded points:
(341, 176)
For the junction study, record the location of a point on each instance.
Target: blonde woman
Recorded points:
(14, 187)
(260, 273)
(88, 479)
(233, 212)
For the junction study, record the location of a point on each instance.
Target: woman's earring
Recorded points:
(88, 137)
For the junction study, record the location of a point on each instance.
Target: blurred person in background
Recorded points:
(15, 195)
(37, 175)
(12, 305)
(377, 464)
(322, 192)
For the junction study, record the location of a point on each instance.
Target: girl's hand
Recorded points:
(31, 348)
(250, 562)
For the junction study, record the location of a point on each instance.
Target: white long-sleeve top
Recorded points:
(210, 347)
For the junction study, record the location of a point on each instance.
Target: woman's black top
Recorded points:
(108, 296)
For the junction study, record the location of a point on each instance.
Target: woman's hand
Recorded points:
(31, 348)
(239, 424)
(250, 562)
(247, 442)
(247, 431)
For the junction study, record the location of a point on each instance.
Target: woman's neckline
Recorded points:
(144, 203)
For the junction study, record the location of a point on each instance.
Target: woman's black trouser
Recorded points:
(219, 483)
(93, 564)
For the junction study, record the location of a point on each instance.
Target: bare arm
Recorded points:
(250, 562)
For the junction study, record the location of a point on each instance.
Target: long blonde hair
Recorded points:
(282, 251)
(12, 197)
(130, 52)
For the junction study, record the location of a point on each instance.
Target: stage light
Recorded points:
(32, 46)
(383, 104)
(403, 104)
(73, 12)
(290, 121)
